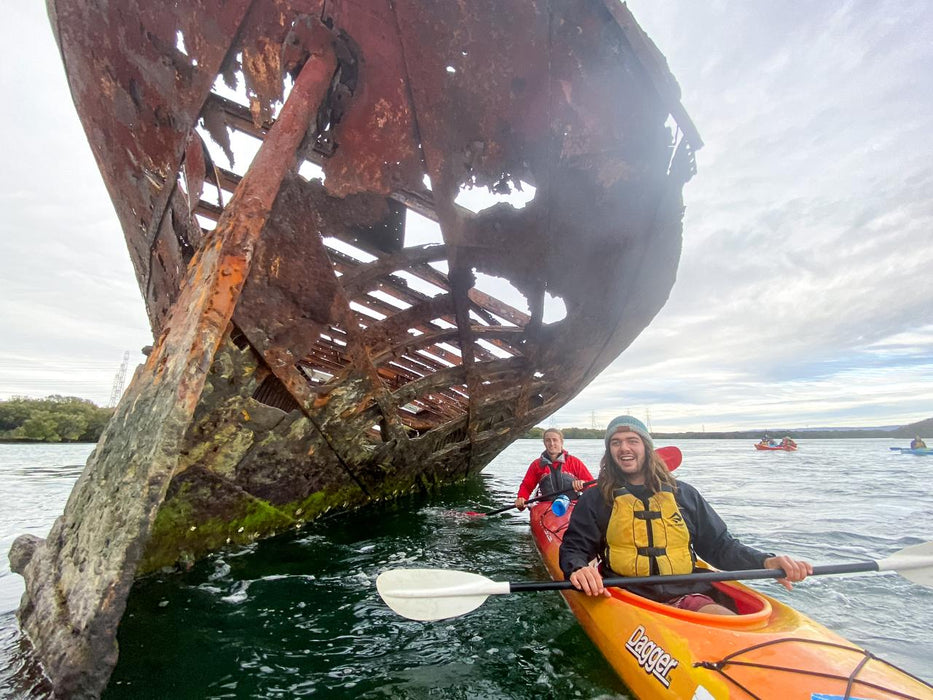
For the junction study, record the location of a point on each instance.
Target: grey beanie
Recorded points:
(629, 423)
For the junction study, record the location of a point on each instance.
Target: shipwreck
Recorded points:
(310, 354)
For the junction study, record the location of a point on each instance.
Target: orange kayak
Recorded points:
(768, 651)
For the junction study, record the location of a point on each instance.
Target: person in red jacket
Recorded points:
(554, 471)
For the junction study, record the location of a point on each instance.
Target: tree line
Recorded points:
(923, 428)
(570, 433)
(70, 419)
(52, 419)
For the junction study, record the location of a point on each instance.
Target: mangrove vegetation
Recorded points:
(52, 419)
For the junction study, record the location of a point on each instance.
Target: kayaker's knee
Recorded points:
(699, 602)
(716, 609)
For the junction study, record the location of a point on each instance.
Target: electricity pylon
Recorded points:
(119, 380)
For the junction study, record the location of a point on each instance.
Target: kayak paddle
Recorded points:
(671, 455)
(545, 497)
(436, 594)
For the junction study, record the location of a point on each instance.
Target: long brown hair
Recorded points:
(611, 477)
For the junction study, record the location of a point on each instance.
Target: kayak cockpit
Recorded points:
(754, 610)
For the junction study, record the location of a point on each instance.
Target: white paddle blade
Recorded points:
(913, 563)
(435, 594)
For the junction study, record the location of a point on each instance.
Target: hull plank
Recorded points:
(309, 355)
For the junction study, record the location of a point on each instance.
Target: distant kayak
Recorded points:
(913, 451)
(789, 447)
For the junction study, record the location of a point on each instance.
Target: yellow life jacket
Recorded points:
(641, 534)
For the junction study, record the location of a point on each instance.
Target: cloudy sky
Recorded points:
(69, 303)
(804, 295)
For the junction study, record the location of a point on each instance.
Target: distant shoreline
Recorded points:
(904, 432)
(795, 434)
(756, 437)
(26, 441)
(728, 436)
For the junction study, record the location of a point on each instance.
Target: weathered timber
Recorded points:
(312, 354)
(79, 577)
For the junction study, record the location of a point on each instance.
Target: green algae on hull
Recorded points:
(179, 537)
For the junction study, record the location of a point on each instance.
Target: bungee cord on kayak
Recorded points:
(863, 656)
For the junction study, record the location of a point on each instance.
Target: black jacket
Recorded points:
(585, 538)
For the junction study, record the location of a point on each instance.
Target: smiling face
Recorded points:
(627, 450)
(553, 444)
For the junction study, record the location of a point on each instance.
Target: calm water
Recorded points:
(299, 615)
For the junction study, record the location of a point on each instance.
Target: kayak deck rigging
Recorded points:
(861, 658)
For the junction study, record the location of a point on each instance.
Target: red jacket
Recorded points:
(537, 470)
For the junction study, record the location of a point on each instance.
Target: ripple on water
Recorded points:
(20, 676)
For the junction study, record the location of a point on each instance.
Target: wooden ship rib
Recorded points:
(308, 356)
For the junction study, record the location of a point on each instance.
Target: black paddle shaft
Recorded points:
(545, 497)
(709, 576)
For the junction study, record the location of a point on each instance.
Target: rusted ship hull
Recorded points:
(308, 357)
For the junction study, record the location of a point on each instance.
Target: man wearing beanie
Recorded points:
(554, 471)
(640, 521)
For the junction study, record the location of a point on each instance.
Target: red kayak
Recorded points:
(786, 447)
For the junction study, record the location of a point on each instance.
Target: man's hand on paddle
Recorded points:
(795, 569)
(520, 503)
(578, 484)
(588, 580)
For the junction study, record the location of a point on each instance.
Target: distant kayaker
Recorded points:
(555, 470)
(917, 443)
(640, 521)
